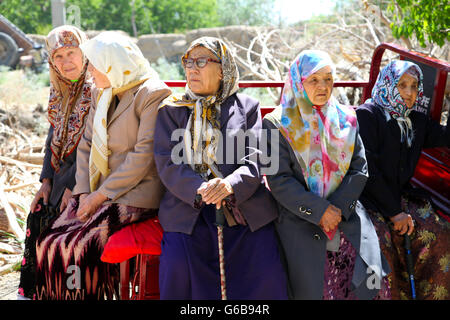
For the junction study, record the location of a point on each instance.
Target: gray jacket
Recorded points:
(303, 242)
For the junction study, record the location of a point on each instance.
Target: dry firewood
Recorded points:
(18, 163)
(10, 214)
(4, 247)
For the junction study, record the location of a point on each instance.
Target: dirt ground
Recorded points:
(8, 285)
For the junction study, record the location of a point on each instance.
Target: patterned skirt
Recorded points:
(37, 221)
(68, 265)
(430, 247)
(339, 268)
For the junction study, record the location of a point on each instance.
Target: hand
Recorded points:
(403, 223)
(331, 218)
(214, 191)
(43, 192)
(89, 203)
(65, 199)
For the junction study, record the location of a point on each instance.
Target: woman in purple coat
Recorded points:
(198, 153)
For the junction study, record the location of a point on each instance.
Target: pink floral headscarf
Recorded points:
(322, 137)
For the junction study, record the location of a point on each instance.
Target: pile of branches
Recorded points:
(350, 42)
(21, 157)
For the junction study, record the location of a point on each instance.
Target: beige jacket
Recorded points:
(133, 180)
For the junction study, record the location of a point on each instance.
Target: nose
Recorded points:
(322, 84)
(65, 60)
(408, 91)
(194, 70)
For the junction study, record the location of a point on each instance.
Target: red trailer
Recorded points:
(432, 172)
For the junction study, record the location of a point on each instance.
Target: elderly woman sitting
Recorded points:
(116, 179)
(330, 244)
(209, 114)
(68, 106)
(394, 134)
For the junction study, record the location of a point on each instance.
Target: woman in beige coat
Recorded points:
(116, 178)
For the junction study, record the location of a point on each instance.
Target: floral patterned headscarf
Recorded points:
(202, 129)
(69, 102)
(385, 94)
(322, 137)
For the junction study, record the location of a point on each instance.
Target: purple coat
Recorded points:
(177, 212)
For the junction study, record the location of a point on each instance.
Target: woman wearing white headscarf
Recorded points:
(116, 179)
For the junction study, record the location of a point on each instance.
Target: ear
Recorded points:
(220, 74)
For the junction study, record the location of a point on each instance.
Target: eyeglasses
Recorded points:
(200, 62)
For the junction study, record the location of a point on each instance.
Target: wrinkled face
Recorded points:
(408, 87)
(69, 62)
(203, 81)
(100, 79)
(319, 85)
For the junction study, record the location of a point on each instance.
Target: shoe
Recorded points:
(21, 297)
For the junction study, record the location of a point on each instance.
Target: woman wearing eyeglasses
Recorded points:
(202, 171)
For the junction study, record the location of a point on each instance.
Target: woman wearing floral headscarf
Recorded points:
(330, 246)
(204, 165)
(68, 108)
(116, 179)
(394, 135)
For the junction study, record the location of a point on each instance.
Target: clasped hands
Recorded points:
(89, 203)
(215, 191)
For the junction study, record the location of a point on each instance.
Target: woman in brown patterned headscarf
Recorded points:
(211, 117)
(68, 107)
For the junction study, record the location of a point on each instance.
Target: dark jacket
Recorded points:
(303, 241)
(64, 178)
(391, 163)
(177, 212)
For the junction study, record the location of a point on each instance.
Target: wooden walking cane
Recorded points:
(220, 222)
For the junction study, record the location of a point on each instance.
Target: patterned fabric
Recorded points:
(339, 268)
(69, 102)
(430, 250)
(386, 95)
(203, 127)
(37, 221)
(322, 137)
(123, 63)
(68, 265)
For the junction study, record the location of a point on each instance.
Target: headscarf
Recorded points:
(69, 102)
(125, 66)
(385, 94)
(202, 133)
(322, 137)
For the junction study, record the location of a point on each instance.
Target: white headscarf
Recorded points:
(125, 66)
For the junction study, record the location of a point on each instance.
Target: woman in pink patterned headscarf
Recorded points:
(330, 246)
